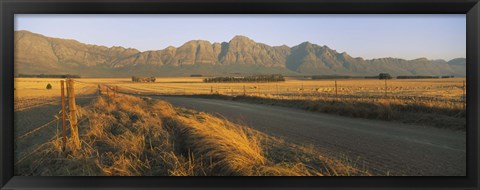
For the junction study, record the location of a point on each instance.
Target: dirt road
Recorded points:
(382, 147)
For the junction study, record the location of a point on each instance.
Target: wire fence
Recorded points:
(310, 92)
(262, 90)
(64, 114)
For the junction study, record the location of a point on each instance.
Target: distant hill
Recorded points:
(37, 54)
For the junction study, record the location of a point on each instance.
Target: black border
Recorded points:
(10, 7)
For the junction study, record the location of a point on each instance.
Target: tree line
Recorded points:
(379, 76)
(48, 76)
(258, 78)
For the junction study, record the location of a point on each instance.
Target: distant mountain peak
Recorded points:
(170, 47)
(305, 43)
(238, 37)
(421, 59)
(37, 54)
(458, 62)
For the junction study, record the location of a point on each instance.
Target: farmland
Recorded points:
(157, 138)
(365, 98)
(32, 92)
(448, 89)
(433, 102)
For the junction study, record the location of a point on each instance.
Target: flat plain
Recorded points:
(448, 88)
(201, 140)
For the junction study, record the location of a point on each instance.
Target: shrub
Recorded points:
(49, 86)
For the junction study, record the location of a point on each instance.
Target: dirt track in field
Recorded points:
(384, 148)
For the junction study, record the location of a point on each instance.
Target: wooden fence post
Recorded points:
(211, 89)
(64, 133)
(108, 96)
(385, 87)
(336, 91)
(244, 91)
(301, 89)
(73, 114)
(99, 90)
(464, 95)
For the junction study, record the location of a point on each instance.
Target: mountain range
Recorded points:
(39, 54)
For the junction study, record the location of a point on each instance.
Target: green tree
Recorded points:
(384, 76)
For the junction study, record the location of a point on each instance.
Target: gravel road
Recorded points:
(384, 148)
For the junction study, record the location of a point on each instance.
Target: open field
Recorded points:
(450, 88)
(432, 102)
(32, 92)
(130, 136)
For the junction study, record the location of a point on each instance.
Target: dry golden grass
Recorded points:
(449, 88)
(441, 114)
(226, 144)
(36, 87)
(30, 92)
(130, 136)
(432, 102)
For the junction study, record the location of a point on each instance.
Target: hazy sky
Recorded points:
(368, 36)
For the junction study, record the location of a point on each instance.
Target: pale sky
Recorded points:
(367, 36)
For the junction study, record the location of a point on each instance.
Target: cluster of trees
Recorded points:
(423, 77)
(196, 75)
(48, 76)
(384, 76)
(388, 76)
(331, 77)
(444, 77)
(143, 79)
(258, 78)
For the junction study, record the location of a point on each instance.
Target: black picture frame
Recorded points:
(10, 7)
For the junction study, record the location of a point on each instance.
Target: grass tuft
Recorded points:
(131, 136)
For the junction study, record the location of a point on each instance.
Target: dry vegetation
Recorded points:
(131, 136)
(441, 114)
(431, 102)
(32, 92)
(449, 88)
(127, 135)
